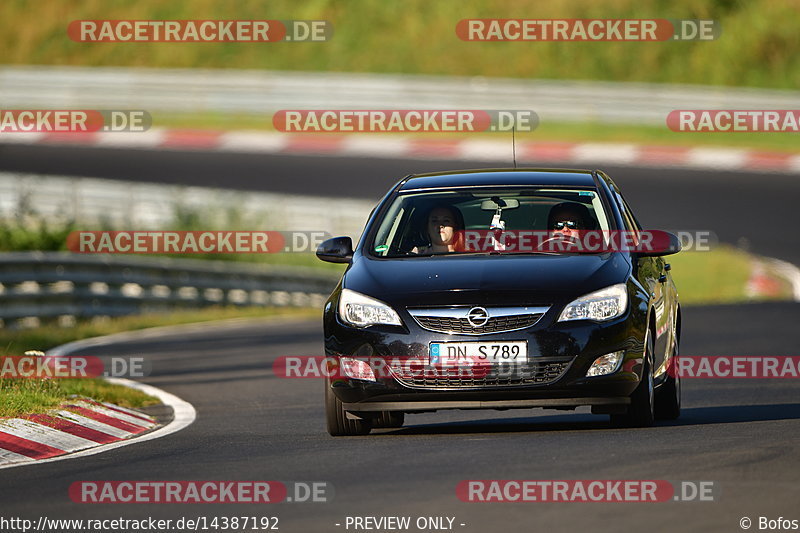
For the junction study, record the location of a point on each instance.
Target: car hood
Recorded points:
(485, 280)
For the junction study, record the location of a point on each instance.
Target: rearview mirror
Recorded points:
(336, 250)
(491, 205)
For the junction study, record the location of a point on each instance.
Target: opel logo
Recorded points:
(478, 316)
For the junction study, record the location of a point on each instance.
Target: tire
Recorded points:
(641, 411)
(390, 419)
(668, 396)
(336, 418)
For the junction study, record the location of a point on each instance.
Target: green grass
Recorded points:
(28, 396)
(546, 132)
(660, 136)
(718, 276)
(758, 47)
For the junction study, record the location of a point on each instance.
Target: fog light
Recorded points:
(357, 369)
(605, 364)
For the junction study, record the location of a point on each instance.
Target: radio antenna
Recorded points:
(514, 145)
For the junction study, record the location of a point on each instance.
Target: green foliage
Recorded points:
(26, 230)
(759, 45)
(41, 236)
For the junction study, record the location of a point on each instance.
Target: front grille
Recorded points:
(445, 324)
(532, 373)
(456, 320)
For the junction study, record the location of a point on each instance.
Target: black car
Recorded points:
(422, 321)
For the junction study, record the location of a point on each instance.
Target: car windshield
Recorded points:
(432, 222)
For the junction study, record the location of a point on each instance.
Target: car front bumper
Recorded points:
(575, 344)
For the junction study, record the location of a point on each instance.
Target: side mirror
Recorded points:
(336, 250)
(656, 243)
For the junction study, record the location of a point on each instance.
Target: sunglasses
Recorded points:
(566, 223)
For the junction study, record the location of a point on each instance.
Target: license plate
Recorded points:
(470, 353)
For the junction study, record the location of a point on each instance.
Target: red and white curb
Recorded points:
(397, 146)
(789, 272)
(85, 427)
(76, 426)
(763, 283)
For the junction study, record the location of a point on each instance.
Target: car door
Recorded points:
(654, 274)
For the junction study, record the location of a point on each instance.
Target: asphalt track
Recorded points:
(251, 425)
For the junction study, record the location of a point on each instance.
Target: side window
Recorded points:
(631, 215)
(623, 211)
(627, 217)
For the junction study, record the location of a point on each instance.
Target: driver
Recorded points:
(445, 226)
(567, 220)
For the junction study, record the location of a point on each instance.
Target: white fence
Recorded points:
(134, 205)
(264, 92)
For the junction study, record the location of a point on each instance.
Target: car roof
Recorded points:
(499, 177)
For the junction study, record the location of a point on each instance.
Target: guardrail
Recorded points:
(43, 287)
(264, 92)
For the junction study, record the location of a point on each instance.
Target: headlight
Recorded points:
(359, 310)
(604, 304)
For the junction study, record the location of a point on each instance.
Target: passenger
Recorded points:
(445, 226)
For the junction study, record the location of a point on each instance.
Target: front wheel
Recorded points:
(641, 411)
(336, 417)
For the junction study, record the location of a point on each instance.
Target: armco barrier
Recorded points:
(52, 286)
